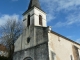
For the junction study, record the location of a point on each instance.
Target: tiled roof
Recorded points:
(3, 48)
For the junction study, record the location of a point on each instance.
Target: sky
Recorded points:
(62, 15)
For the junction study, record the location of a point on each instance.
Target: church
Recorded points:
(39, 42)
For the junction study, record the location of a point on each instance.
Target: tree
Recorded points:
(11, 30)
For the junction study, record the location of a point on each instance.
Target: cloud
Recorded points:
(78, 40)
(73, 18)
(54, 6)
(70, 37)
(70, 20)
(5, 17)
(73, 37)
(60, 4)
(50, 17)
(67, 5)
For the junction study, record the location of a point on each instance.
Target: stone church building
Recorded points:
(39, 42)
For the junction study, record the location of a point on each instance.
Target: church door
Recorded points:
(28, 58)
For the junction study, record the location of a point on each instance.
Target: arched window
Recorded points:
(28, 58)
(28, 39)
(40, 20)
(28, 21)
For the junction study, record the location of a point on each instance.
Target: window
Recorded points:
(24, 19)
(79, 53)
(40, 20)
(28, 58)
(71, 57)
(52, 55)
(28, 21)
(28, 39)
(75, 52)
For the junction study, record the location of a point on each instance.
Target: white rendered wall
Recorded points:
(38, 12)
(26, 17)
(18, 44)
(61, 47)
(34, 17)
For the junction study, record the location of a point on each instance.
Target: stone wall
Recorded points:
(41, 35)
(39, 52)
(37, 48)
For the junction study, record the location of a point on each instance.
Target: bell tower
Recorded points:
(33, 43)
(34, 20)
(34, 15)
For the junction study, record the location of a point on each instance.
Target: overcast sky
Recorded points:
(62, 15)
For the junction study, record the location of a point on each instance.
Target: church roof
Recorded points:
(34, 3)
(3, 48)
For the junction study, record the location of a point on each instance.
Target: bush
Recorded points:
(3, 58)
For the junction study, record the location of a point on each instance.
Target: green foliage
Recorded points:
(3, 58)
